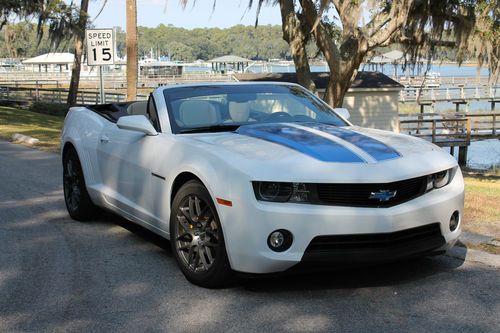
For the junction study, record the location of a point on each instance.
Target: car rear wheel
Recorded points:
(76, 197)
(196, 237)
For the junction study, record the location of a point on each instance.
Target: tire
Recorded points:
(76, 197)
(197, 239)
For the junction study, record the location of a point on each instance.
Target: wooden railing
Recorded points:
(417, 81)
(423, 95)
(444, 132)
(111, 80)
(58, 95)
(481, 125)
(452, 129)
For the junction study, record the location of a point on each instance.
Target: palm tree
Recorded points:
(131, 41)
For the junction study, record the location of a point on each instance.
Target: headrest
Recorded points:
(138, 108)
(198, 113)
(239, 112)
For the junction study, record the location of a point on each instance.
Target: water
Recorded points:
(449, 70)
(484, 154)
(443, 69)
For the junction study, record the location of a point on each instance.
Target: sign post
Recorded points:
(100, 51)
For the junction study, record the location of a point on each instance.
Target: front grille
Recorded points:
(375, 247)
(358, 195)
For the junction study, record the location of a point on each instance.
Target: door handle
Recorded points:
(104, 139)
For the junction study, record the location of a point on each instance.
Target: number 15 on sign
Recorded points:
(100, 47)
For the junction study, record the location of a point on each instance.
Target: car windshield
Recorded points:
(226, 107)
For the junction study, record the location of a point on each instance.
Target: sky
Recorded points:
(151, 13)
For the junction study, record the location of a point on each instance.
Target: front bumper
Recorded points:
(247, 226)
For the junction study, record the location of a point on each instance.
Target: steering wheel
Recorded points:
(278, 116)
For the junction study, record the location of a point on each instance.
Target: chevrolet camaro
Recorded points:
(260, 178)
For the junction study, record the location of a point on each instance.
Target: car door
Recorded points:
(125, 158)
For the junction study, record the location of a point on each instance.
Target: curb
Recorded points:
(472, 255)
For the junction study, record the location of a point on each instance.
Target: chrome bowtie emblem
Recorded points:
(383, 195)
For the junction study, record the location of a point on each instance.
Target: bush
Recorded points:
(53, 109)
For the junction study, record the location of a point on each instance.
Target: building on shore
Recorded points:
(151, 68)
(50, 63)
(229, 64)
(372, 99)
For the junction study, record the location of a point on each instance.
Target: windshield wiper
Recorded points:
(213, 128)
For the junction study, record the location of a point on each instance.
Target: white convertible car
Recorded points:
(260, 178)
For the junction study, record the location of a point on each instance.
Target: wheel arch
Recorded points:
(67, 146)
(181, 179)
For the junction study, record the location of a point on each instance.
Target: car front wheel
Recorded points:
(76, 197)
(196, 237)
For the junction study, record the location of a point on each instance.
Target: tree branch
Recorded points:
(397, 17)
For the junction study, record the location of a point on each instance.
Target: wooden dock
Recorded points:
(461, 95)
(59, 95)
(452, 129)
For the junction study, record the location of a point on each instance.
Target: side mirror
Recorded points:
(136, 123)
(343, 112)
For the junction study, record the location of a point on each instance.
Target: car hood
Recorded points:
(309, 150)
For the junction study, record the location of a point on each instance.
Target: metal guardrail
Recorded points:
(58, 95)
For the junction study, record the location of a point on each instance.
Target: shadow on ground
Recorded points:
(360, 276)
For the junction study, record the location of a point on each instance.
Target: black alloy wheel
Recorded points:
(76, 197)
(196, 237)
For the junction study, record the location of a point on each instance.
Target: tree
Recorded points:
(180, 51)
(485, 40)
(16, 38)
(78, 45)
(59, 17)
(131, 41)
(419, 26)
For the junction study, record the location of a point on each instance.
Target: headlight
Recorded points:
(281, 192)
(440, 179)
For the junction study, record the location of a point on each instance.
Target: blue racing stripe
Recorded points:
(300, 140)
(378, 150)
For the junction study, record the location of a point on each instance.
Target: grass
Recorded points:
(482, 191)
(40, 126)
(482, 204)
(409, 108)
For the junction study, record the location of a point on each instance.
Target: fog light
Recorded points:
(454, 220)
(280, 240)
(276, 239)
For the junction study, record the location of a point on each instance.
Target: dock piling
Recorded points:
(462, 156)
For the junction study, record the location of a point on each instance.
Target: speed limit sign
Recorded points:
(100, 47)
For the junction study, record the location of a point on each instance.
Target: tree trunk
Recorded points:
(343, 62)
(131, 50)
(296, 39)
(338, 86)
(79, 36)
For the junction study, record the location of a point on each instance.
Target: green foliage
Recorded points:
(52, 109)
(20, 40)
(57, 17)
(263, 42)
